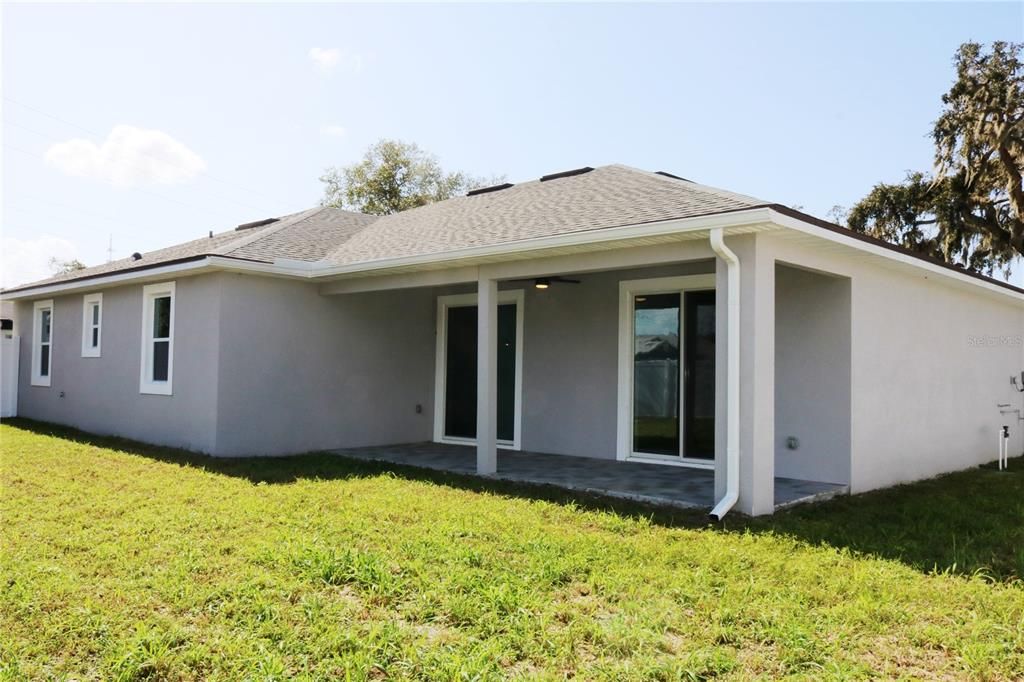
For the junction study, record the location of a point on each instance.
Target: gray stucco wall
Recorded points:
(570, 363)
(101, 395)
(812, 375)
(301, 371)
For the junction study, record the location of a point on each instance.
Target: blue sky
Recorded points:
(151, 125)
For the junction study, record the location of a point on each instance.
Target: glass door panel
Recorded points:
(460, 372)
(699, 375)
(656, 323)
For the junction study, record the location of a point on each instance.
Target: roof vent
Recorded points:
(136, 256)
(257, 223)
(566, 174)
(669, 175)
(485, 190)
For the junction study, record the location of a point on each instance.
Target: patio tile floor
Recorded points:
(654, 483)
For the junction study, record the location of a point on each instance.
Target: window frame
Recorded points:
(88, 301)
(37, 354)
(150, 293)
(628, 290)
(444, 303)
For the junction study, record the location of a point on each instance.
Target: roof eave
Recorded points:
(758, 216)
(789, 218)
(769, 216)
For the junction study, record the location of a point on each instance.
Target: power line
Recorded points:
(51, 216)
(69, 207)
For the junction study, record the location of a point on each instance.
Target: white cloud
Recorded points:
(129, 156)
(28, 260)
(333, 131)
(327, 59)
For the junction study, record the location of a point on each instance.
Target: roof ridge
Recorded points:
(273, 228)
(699, 186)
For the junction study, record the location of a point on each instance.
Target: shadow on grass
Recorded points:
(969, 522)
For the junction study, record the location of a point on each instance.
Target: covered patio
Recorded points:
(651, 483)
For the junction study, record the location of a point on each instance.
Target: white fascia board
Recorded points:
(279, 268)
(313, 271)
(746, 217)
(105, 281)
(295, 269)
(880, 251)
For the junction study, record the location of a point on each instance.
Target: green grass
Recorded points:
(123, 561)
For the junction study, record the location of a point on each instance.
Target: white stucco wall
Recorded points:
(925, 391)
(930, 360)
(812, 375)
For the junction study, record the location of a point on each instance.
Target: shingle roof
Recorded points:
(562, 203)
(308, 235)
(609, 196)
(311, 238)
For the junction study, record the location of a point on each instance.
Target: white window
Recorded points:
(92, 320)
(157, 338)
(42, 342)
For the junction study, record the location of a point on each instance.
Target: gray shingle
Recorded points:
(308, 235)
(609, 196)
(311, 238)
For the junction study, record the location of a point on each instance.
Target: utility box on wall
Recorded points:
(9, 376)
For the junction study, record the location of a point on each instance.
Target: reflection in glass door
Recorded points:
(674, 374)
(656, 321)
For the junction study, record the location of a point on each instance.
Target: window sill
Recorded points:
(155, 389)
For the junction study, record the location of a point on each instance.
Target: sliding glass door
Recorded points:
(673, 374)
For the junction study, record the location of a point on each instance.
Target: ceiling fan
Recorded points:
(546, 282)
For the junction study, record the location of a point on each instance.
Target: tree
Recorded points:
(394, 176)
(970, 209)
(63, 267)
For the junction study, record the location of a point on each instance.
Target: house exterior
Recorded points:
(608, 313)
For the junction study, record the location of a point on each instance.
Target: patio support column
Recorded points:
(757, 374)
(487, 375)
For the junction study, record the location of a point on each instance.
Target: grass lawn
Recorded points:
(123, 561)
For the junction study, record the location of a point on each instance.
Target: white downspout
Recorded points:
(732, 391)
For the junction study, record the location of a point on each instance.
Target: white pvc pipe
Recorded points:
(732, 395)
(1004, 449)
